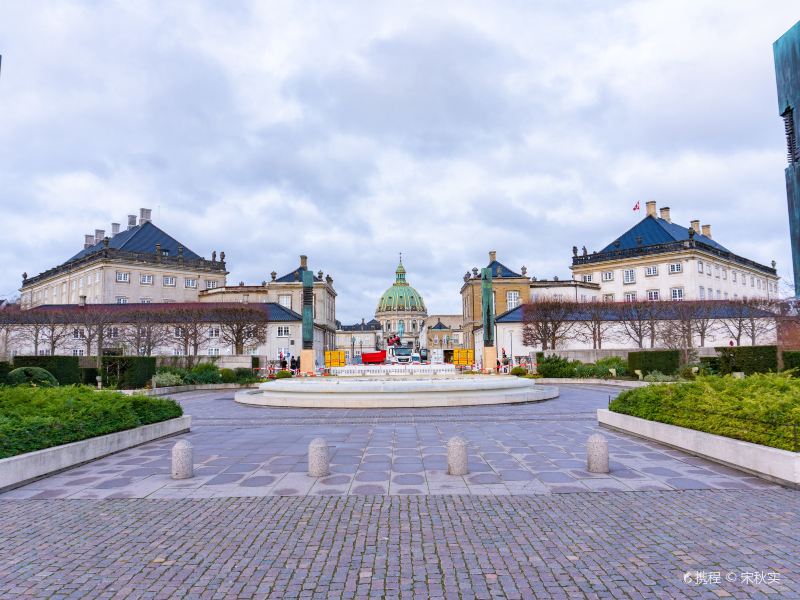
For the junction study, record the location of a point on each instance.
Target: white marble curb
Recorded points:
(774, 464)
(24, 468)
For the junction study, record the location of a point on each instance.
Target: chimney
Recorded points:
(303, 261)
(99, 234)
(81, 300)
(144, 215)
(88, 241)
(131, 221)
(695, 225)
(707, 231)
(665, 214)
(492, 256)
(114, 229)
(651, 208)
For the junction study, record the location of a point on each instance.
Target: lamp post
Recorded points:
(511, 335)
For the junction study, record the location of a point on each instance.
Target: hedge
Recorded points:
(128, 372)
(664, 361)
(36, 418)
(763, 408)
(255, 362)
(89, 376)
(64, 368)
(32, 376)
(5, 369)
(748, 359)
(791, 360)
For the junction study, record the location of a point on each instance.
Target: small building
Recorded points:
(359, 338)
(657, 259)
(142, 264)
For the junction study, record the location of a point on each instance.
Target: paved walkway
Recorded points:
(528, 522)
(514, 449)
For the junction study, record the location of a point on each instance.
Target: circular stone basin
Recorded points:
(367, 392)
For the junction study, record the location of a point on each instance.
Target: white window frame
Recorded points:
(675, 268)
(122, 300)
(676, 293)
(587, 278)
(146, 279)
(733, 276)
(122, 277)
(607, 276)
(699, 266)
(190, 283)
(211, 284)
(702, 293)
(170, 281)
(608, 297)
(213, 351)
(283, 331)
(629, 275)
(630, 296)
(213, 332)
(653, 295)
(78, 352)
(651, 271)
(145, 300)
(512, 301)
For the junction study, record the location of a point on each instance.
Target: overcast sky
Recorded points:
(354, 131)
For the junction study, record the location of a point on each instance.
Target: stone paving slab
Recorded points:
(513, 449)
(572, 545)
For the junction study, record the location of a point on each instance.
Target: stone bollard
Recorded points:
(597, 454)
(318, 458)
(457, 456)
(182, 460)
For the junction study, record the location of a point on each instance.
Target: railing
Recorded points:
(668, 247)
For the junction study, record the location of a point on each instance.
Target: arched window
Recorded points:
(413, 325)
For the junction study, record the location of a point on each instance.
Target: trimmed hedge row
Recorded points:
(748, 359)
(762, 408)
(36, 418)
(66, 369)
(791, 360)
(664, 361)
(5, 369)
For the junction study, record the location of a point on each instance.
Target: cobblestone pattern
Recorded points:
(625, 545)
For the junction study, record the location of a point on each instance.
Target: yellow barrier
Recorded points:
(334, 358)
(463, 357)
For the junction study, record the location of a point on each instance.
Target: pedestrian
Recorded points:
(293, 364)
(283, 363)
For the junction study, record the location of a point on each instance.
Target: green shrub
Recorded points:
(586, 370)
(34, 376)
(748, 359)
(791, 360)
(5, 369)
(128, 372)
(227, 376)
(709, 365)
(245, 375)
(611, 362)
(658, 376)
(89, 376)
(167, 379)
(761, 408)
(66, 369)
(204, 373)
(555, 366)
(283, 374)
(665, 361)
(519, 371)
(36, 418)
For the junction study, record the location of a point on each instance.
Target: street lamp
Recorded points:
(511, 335)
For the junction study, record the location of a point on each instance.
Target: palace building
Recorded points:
(401, 311)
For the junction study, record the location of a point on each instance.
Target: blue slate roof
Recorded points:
(142, 238)
(295, 276)
(614, 312)
(440, 325)
(372, 325)
(504, 270)
(655, 230)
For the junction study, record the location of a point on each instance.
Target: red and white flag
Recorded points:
(636, 206)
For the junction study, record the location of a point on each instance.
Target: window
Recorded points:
(43, 352)
(285, 300)
(179, 331)
(630, 296)
(725, 273)
(97, 276)
(122, 300)
(113, 332)
(710, 294)
(653, 295)
(676, 293)
(77, 334)
(726, 295)
(210, 284)
(702, 293)
(213, 332)
(719, 295)
(651, 271)
(675, 268)
(699, 266)
(121, 278)
(587, 278)
(145, 300)
(78, 352)
(213, 351)
(708, 269)
(733, 276)
(283, 331)
(608, 276)
(608, 297)
(629, 276)
(758, 283)
(169, 281)
(716, 271)
(512, 298)
(190, 283)
(752, 281)
(146, 280)
(177, 352)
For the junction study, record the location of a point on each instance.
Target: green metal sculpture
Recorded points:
(308, 310)
(487, 307)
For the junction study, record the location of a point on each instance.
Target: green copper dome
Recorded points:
(400, 296)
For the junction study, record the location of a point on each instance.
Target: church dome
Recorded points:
(401, 296)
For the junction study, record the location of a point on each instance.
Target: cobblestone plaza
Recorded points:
(527, 521)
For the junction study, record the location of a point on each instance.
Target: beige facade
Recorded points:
(354, 340)
(510, 290)
(444, 332)
(566, 290)
(695, 268)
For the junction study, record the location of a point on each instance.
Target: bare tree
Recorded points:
(548, 322)
(241, 325)
(91, 323)
(761, 318)
(676, 328)
(146, 328)
(640, 319)
(596, 322)
(188, 329)
(705, 320)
